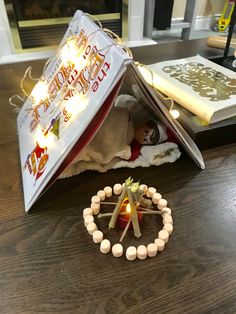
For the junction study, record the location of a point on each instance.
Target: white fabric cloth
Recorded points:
(112, 139)
(150, 155)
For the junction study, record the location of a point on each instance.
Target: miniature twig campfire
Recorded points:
(137, 204)
(135, 200)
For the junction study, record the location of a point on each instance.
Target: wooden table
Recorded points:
(48, 262)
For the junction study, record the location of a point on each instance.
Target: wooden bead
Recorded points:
(156, 198)
(105, 246)
(117, 250)
(91, 227)
(167, 210)
(97, 236)
(95, 199)
(142, 252)
(87, 211)
(108, 191)
(88, 219)
(152, 249)
(162, 203)
(117, 188)
(101, 194)
(168, 227)
(167, 219)
(151, 191)
(163, 235)
(160, 244)
(95, 208)
(131, 253)
(143, 188)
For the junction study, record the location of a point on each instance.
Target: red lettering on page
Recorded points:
(36, 161)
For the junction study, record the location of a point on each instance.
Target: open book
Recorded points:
(71, 101)
(68, 104)
(203, 87)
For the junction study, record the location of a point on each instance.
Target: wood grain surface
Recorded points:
(49, 264)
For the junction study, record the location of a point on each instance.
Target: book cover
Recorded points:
(83, 77)
(203, 87)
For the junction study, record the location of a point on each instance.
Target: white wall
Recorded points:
(135, 19)
(205, 7)
(6, 44)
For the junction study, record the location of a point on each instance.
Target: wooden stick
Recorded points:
(151, 212)
(138, 195)
(145, 208)
(106, 203)
(125, 230)
(101, 215)
(134, 215)
(116, 211)
(144, 212)
(145, 202)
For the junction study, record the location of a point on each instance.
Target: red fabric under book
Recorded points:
(171, 137)
(135, 150)
(136, 147)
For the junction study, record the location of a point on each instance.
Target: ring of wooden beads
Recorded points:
(131, 253)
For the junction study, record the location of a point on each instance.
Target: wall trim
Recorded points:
(202, 22)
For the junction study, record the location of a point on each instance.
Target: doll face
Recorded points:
(148, 134)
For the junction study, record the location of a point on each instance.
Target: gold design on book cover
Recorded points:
(204, 80)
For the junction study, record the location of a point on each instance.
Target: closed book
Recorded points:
(201, 86)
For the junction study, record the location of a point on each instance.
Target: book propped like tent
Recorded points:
(74, 96)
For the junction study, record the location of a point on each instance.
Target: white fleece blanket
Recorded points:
(110, 147)
(149, 156)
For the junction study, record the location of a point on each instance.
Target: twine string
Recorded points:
(28, 71)
(165, 98)
(16, 108)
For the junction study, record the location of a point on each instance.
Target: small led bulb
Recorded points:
(69, 52)
(40, 138)
(76, 104)
(72, 104)
(40, 91)
(174, 113)
(44, 140)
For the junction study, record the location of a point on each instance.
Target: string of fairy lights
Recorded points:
(150, 79)
(70, 55)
